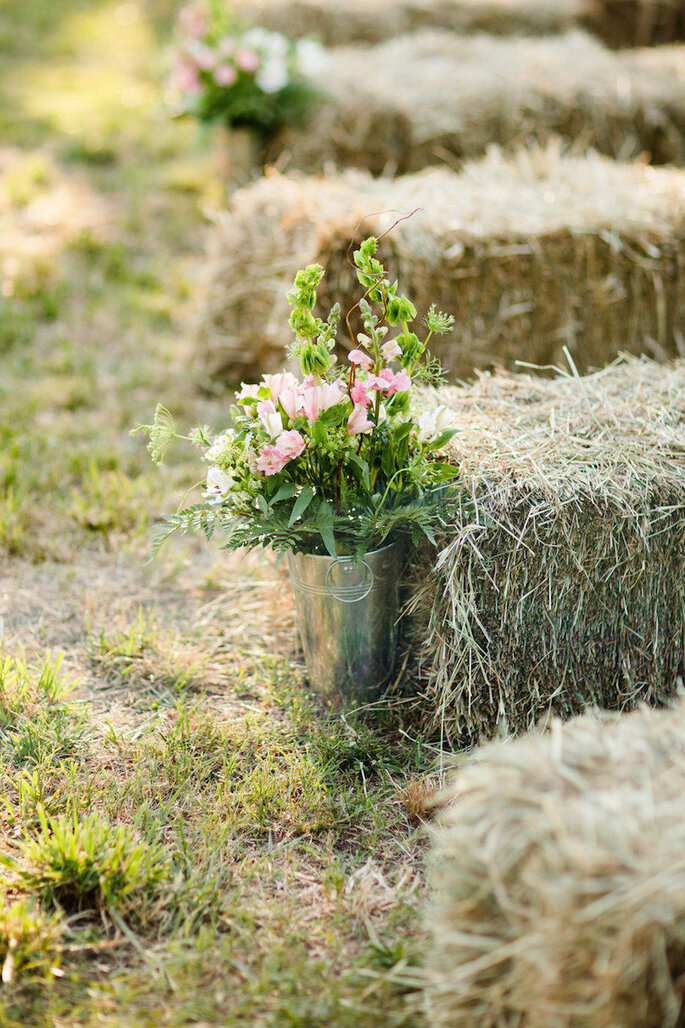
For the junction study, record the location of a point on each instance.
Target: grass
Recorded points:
(187, 836)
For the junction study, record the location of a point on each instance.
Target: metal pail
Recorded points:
(347, 614)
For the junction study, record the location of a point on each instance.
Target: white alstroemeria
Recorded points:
(220, 445)
(273, 74)
(433, 422)
(382, 414)
(247, 391)
(219, 484)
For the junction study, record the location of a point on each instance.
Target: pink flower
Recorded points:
(271, 460)
(204, 57)
(359, 395)
(358, 423)
(399, 383)
(289, 400)
(184, 78)
(247, 60)
(277, 383)
(377, 382)
(318, 398)
(227, 46)
(225, 75)
(360, 358)
(290, 444)
(391, 349)
(192, 21)
(247, 391)
(269, 417)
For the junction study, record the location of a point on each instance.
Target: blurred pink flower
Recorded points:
(193, 21)
(205, 58)
(360, 358)
(184, 78)
(225, 75)
(358, 423)
(247, 60)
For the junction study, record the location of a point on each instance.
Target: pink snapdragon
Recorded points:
(287, 447)
(360, 358)
(395, 383)
(360, 396)
(391, 349)
(358, 423)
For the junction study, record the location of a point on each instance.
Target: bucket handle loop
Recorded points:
(346, 561)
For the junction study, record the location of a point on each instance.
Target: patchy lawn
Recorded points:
(187, 837)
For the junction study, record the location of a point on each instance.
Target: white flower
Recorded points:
(382, 414)
(270, 418)
(219, 446)
(310, 56)
(273, 74)
(219, 484)
(433, 422)
(247, 391)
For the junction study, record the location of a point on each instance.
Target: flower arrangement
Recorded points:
(254, 78)
(339, 461)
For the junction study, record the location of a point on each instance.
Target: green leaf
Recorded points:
(301, 504)
(442, 472)
(443, 438)
(334, 415)
(362, 466)
(325, 527)
(318, 433)
(403, 430)
(287, 490)
(262, 504)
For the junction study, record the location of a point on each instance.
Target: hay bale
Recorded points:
(558, 880)
(435, 96)
(358, 21)
(561, 583)
(619, 23)
(531, 253)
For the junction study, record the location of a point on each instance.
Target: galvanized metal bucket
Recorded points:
(347, 617)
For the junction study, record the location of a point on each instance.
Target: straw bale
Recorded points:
(358, 21)
(619, 23)
(558, 880)
(436, 96)
(531, 253)
(561, 583)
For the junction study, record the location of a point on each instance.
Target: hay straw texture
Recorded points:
(562, 582)
(530, 253)
(436, 96)
(358, 21)
(619, 23)
(558, 881)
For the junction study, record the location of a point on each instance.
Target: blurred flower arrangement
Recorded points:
(339, 461)
(252, 78)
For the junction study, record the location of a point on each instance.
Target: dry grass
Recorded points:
(435, 96)
(562, 582)
(559, 883)
(532, 253)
